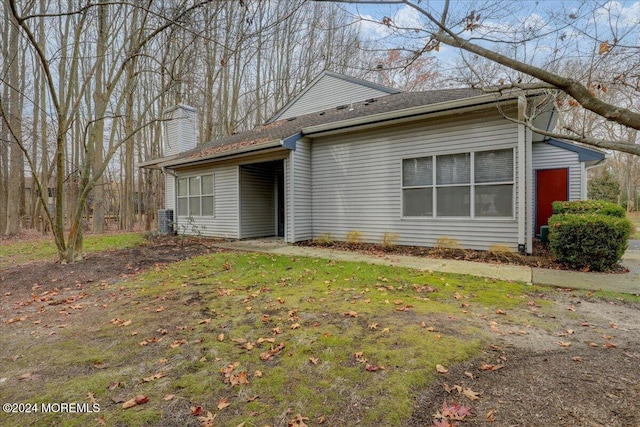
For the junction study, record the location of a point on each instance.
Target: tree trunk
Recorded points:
(16, 157)
(97, 135)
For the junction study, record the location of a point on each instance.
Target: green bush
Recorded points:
(596, 207)
(588, 241)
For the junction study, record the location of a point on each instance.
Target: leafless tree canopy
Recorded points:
(586, 53)
(83, 82)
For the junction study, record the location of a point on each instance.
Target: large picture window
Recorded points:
(475, 184)
(195, 196)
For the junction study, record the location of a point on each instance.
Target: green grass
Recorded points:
(324, 312)
(46, 249)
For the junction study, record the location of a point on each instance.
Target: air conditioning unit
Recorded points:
(165, 221)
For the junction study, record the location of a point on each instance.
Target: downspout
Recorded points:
(522, 203)
(529, 185)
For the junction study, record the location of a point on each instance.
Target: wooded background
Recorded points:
(83, 84)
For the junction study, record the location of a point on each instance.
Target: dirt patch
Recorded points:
(582, 373)
(95, 267)
(601, 388)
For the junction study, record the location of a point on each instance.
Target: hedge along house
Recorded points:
(349, 155)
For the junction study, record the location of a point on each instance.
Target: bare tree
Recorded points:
(583, 29)
(69, 79)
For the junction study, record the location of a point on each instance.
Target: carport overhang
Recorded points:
(223, 153)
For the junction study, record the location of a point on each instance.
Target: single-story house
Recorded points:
(350, 155)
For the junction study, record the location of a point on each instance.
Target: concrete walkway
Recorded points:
(625, 283)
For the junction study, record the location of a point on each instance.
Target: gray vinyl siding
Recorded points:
(356, 181)
(224, 223)
(257, 203)
(329, 92)
(547, 156)
(169, 192)
(301, 193)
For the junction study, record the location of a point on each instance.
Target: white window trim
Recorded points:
(472, 184)
(200, 196)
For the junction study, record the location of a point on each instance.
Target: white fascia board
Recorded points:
(156, 163)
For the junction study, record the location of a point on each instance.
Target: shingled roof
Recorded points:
(282, 130)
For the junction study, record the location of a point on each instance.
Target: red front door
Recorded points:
(551, 185)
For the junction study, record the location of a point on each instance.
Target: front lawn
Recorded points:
(250, 340)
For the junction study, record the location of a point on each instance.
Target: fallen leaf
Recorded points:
(155, 376)
(470, 394)
(169, 397)
(489, 367)
(576, 359)
(197, 410)
(298, 421)
(502, 312)
(468, 374)
(610, 345)
(92, 397)
(208, 420)
(114, 385)
(563, 343)
(491, 415)
(373, 368)
(177, 343)
(295, 326)
(223, 403)
(221, 337)
(350, 314)
(314, 360)
(138, 400)
(441, 369)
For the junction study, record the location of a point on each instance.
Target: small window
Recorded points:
(195, 196)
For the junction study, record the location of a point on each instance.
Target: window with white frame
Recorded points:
(475, 184)
(195, 196)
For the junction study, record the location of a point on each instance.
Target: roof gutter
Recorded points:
(409, 113)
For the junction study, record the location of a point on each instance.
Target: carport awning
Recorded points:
(222, 152)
